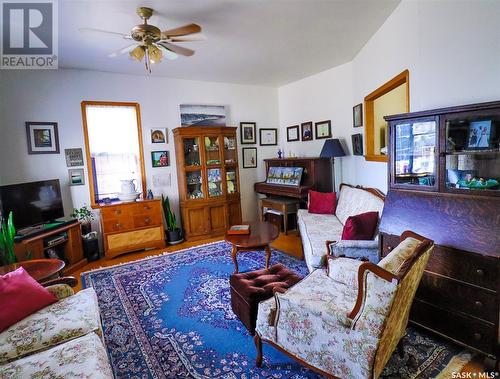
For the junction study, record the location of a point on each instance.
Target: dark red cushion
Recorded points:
(20, 296)
(360, 227)
(322, 202)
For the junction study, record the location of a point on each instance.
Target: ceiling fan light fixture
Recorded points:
(155, 54)
(138, 53)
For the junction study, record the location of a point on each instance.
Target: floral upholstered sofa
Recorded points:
(62, 340)
(316, 229)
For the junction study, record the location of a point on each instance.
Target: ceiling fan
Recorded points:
(152, 44)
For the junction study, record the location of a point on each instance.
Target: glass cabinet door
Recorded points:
(212, 151)
(191, 151)
(414, 161)
(472, 153)
(231, 181)
(230, 154)
(194, 184)
(214, 182)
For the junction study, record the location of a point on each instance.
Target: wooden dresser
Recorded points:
(443, 171)
(132, 226)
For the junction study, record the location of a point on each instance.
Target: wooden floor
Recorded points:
(290, 244)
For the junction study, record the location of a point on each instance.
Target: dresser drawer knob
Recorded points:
(478, 304)
(118, 211)
(480, 272)
(147, 220)
(146, 207)
(118, 225)
(477, 336)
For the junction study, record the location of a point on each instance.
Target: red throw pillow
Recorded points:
(20, 296)
(360, 227)
(322, 202)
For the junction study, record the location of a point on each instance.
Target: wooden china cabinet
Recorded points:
(444, 173)
(208, 178)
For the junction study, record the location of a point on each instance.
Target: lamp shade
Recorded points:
(332, 148)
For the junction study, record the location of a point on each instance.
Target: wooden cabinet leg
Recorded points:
(268, 255)
(285, 221)
(234, 253)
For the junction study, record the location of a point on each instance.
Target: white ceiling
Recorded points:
(264, 42)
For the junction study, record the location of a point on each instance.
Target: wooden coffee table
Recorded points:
(40, 269)
(261, 235)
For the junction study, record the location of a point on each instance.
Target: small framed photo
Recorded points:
(323, 129)
(307, 131)
(357, 144)
(479, 133)
(357, 115)
(42, 137)
(247, 132)
(268, 137)
(249, 157)
(74, 157)
(160, 159)
(76, 177)
(292, 133)
(159, 135)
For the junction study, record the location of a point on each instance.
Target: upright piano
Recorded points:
(317, 175)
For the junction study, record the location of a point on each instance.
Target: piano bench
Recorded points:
(278, 206)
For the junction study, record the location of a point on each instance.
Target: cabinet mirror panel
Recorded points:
(191, 151)
(194, 185)
(415, 153)
(214, 182)
(472, 152)
(212, 151)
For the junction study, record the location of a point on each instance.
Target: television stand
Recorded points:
(65, 241)
(30, 230)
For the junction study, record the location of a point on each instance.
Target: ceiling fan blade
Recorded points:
(100, 31)
(122, 51)
(181, 31)
(176, 49)
(189, 38)
(170, 55)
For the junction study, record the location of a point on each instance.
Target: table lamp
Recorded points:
(332, 149)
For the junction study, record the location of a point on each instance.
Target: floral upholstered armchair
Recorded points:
(346, 320)
(62, 340)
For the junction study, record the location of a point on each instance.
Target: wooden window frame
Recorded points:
(403, 78)
(84, 105)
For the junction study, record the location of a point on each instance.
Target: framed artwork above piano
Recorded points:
(316, 175)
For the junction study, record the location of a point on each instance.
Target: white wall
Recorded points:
(56, 96)
(451, 48)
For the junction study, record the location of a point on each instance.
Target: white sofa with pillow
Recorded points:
(316, 229)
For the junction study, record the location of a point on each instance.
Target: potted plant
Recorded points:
(85, 216)
(174, 233)
(7, 234)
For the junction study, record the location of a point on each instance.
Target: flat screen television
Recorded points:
(32, 203)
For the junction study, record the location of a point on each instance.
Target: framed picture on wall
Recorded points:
(268, 137)
(159, 135)
(76, 177)
(203, 115)
(247, 133)
(292, 133)
(357, 144)
(249, 157)
(323, 129)
(160, 159)
(42, 137)
(307, 131)
(357, 115)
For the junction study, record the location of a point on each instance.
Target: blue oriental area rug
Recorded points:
(170, 317)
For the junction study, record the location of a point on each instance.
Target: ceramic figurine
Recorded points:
(150, 195)
(280, 153)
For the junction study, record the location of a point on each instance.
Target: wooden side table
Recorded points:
(40, 269)
(261, 235)
(283, 205)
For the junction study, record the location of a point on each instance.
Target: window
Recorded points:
(391, 98)
(113, 144)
